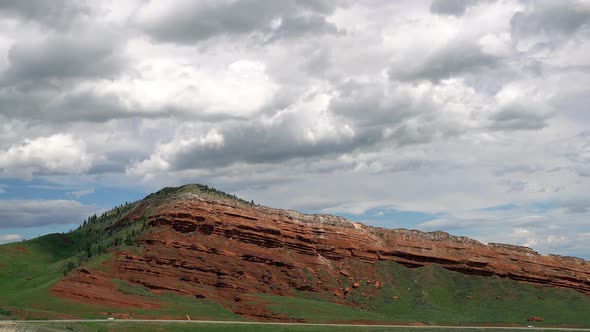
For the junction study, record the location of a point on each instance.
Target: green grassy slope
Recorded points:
(29, 269)
(434, 295)
(30, 266)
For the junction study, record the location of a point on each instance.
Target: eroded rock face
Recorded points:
(221, 250)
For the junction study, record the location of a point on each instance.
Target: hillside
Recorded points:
(196, 251)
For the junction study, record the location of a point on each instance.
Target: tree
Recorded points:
(88, 252)
(69, 267)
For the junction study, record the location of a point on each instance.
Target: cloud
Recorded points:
(82, 192)
(523, 168)
(387, 103)
(199, 93)
(357, 115)
(576, 206)
(299, 26)
(303, 130)
(441, 107)
(72, 56)
(541, 232)
(64, 83)
(515, 185)
(49, 13)
(2, 191)
(191, 22)
(550, 18)
(518, 117)
(405, 113)
(5, 238)
(519, 108)
(35, 213)
(57, 154)
(55, 106)
(456, 58)
(165, 89)
(444, 223)
(451, 7)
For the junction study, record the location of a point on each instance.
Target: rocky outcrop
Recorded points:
(220, 249)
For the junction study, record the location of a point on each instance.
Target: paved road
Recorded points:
(279, 324)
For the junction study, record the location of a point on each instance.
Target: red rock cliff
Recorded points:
(221, 249)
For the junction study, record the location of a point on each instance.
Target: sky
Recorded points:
(467, 116)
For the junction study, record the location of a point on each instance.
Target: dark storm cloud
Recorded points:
(553, 18)
(451, 7)
(375, 113)
(197, 21)
(86, 106)
(385, 105)
(389, 113)
(519, 117)
(455, 58)
(50, 13)
(301, 25)
(116, 161)
(254, 143)
(64, 57)
(35, 213)
(47, 105)
(43, 79)
(110, 166)
(363, 108)
(59, 104)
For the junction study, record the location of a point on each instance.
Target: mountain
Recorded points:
(197, 251)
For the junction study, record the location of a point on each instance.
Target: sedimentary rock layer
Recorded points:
(220, 249)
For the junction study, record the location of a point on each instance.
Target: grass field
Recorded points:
(29, 270)
(179, 327)
(434, 296)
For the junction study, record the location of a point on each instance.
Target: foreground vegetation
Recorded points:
(180, 327)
